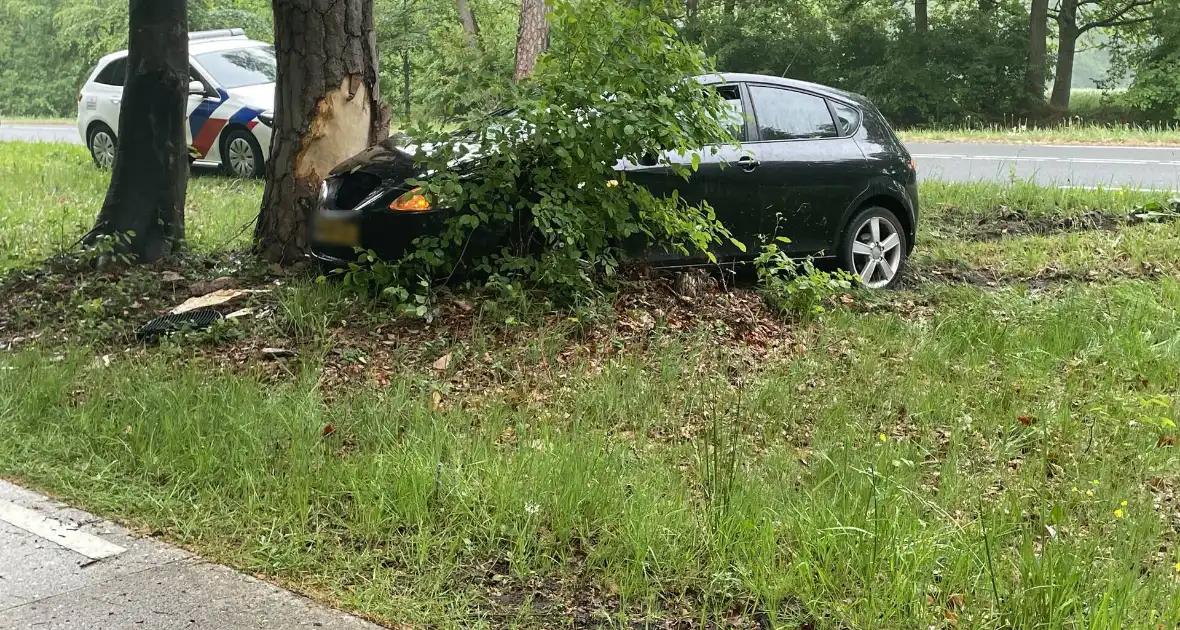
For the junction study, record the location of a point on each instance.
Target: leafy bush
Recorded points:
(794, 287)
(616, 85)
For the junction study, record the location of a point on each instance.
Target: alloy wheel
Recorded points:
(876, 252)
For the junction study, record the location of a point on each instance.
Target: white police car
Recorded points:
(230, 103)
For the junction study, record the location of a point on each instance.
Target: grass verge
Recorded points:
(51, 194)
(995, 453)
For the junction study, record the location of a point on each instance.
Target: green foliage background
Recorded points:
(969, 66)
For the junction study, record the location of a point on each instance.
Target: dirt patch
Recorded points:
(1005, 222)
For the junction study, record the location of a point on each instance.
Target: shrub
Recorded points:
(616, 85)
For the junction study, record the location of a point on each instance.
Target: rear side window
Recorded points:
(735, 120)
(114, 74)
(847, 118)
(789, 115)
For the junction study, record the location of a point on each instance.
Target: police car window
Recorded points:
(847, 117)
(240, 67)
(115, 73)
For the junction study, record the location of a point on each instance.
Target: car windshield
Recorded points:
(241, 67)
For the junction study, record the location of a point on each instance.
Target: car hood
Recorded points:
(394, 159)
(261, 97)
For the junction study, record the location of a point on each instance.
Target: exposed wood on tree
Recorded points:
(532, 36)
(1038, 33)
(145, 199)
(327, 109)
(470, 26)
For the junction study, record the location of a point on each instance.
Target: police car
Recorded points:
(230, 103)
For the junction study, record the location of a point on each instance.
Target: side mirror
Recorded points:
(196, 87)
(648, 159)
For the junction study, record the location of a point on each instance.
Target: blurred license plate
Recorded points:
(335, 232)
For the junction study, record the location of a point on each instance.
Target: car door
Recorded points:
(106, 93)
(722, 179)
(807, 166)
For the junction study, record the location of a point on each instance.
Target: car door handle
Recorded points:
(748, 163)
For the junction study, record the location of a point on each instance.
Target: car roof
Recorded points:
(201, 47)
(823, 90)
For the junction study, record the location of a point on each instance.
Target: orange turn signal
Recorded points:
(412, 201)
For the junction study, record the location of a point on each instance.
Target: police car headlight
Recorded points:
(267, 118)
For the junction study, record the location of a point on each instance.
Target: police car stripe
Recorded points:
(203, 111)
(244, 115)
(204, 141)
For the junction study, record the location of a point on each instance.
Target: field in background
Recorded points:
(994, 445)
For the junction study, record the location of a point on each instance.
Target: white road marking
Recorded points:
(1117, 188)
(57, 532)
(1040, 158)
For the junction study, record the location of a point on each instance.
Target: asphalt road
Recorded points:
(1058, 165)
(64, 569)
(1074, 166)
(39, 133)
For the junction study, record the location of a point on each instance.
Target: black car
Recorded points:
(817, 165)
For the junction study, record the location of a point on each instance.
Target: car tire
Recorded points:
(241, 156)
(102, 143)
(874, 244)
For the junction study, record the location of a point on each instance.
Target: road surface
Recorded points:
(39, 133)
(1076, 166)
(63, 569)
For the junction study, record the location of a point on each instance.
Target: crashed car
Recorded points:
(817, 165)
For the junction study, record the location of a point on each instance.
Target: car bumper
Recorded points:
(336, 236)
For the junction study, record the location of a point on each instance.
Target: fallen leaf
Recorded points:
(443, 362)
(171, 276)
(278, 353)
(1166, 440)
(1026, 420)
(464, 305)
(329, 429)
(955, 601)
(436, 400)
(240, 313)
(951, 617)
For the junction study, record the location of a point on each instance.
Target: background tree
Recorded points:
(1077, 17)
(327, 109)
(1038, 55)
(144, 206)
(532, 37)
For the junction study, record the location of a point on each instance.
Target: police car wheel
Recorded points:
(241, 155)
(102, 143)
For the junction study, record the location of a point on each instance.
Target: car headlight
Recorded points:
(267, 118)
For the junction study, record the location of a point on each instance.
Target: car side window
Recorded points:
(735, 120)
(847, 117)
(114, 74)
(790, 115)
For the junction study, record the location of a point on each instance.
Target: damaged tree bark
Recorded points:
(327, 109)
(144, 206)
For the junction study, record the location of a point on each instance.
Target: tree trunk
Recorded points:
(1038, 33)
(327, 109)
(729, 7)
(406, 81)
(1067, 43)
(532, 36)
(145, 200)
(921, 18)
(470, 26)
(691, 7)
